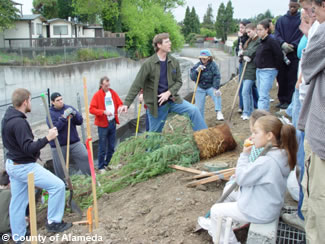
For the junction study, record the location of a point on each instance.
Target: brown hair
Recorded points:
(19, 96)
(257, 114)
(306, 1)
(251, 26)
(284, 134)
(158, 39)
(102, 80)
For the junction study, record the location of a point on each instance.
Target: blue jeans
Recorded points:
(301, 165)
(265, 79)
(200, 99)
(19, 194)
(247, 94)
(296, 107)
(156, 124)
(106, 144)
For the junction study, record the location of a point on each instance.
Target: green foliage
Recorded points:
(225, 23)
(8, 15)
(207, 32)
(143, 157)
(191, 22)
(65, 9)
(47, 8)
(208, 22)
(191, 39)
(143, 20)
(170, 4)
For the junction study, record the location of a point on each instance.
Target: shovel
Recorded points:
(197, 82)
(71, 203)
(238, 88)
(138, 120)
(68, 144)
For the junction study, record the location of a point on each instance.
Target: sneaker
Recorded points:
(245, 117)
(293, 220)
(58, 227)
(220, 116)
(240, 110)
(278, 105)
(271, 100)
(204, 222)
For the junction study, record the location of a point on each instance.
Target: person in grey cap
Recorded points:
(78, 153)
(209, 82)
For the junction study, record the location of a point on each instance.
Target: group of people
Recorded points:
(262, 179)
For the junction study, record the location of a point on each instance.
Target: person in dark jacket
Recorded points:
(288, 34)
(160, 78)
(249, 76)
(209, 82)
(22, 154)
(267, 60)
(242, 38)
(78, 153)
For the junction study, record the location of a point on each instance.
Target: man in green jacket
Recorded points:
(160, 78)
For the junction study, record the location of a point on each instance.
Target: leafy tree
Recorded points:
(195, 21)
(187, 23)
(8, 15)
(142, 20)
(208, 32)
(225, 23)
(47, 8)
(208, 18)
(65, 9)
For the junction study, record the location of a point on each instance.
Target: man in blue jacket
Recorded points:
(78, 152)
(288, 34)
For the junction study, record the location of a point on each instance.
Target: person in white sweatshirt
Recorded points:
(262, 183)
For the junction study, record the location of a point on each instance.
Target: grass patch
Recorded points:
(140, 158)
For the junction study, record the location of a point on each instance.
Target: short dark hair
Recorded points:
(244, 22)
(251, 26)
(19, 96)
(102, 80)
(158, 39)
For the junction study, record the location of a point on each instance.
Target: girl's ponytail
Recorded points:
(289, 143)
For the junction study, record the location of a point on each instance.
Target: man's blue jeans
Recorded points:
(19, 194)
(200, 99)
(265, 79)
(106, 144)
(156, 124)
(301, 165)
(248, 97)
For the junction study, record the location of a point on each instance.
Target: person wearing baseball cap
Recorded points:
(209, 82)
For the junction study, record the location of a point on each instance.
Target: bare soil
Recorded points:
(162, 210)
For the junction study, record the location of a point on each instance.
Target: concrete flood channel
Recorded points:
(65, 79)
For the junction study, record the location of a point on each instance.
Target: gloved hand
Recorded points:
(68, 112)
(287, 48)
(217, 92)
(240, 52)
(201, 67)
(247, 59)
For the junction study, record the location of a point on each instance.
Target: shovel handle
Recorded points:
(68, 145)
(56, 141)
(196, 84)
(138, 120)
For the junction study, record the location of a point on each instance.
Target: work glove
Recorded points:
(67, 112)
(217, 92)
(247, 59)
(201, 67)
(287, 48)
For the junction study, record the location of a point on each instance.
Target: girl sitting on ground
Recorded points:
(262, 183)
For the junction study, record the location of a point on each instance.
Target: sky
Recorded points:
(242, 8)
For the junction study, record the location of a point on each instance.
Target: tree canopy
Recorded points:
(225, 23)
(191, 22)
(208, 18)
(8, 15)
(47, 8)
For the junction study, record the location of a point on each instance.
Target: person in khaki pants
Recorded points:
(312, 121)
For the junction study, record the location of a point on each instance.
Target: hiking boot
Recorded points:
(294, 220)
(220, 116)
(204, 222)
(58, 227)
